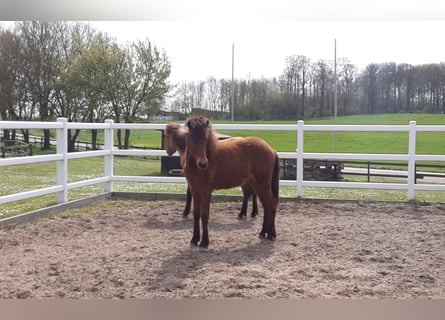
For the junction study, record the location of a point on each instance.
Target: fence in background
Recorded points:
(62, 157)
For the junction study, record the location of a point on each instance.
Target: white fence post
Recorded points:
(62, 165)
(108, 159)
(300, 144)
(411, 160)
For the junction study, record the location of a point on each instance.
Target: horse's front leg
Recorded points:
(205, 210)
(188, 203)
(196, 216)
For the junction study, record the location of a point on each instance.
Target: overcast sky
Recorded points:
(198, 35)
(199, 49)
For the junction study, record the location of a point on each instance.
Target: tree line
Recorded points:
(306, 89)
(69, 69)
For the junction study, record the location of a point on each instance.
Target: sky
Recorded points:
(199, 49)
(198, 35)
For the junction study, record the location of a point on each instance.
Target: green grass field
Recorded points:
(350, 142)
(28, 177)
(359, 142)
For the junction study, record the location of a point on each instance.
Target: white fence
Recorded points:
(62, 186)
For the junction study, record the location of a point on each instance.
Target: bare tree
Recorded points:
(347, 76)
(321, 77)
(370, 87)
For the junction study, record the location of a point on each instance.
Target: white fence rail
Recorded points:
(62, 156)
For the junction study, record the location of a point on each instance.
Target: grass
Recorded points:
(21, 178)
(358, 142)
(353, 142)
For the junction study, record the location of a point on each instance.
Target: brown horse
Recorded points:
(176, 140)
(210, 164)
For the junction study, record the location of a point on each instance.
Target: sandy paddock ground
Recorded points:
(140, 249)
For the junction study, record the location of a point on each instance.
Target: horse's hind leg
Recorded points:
(243, 213)
(260, 193)
(254, 206)
(271, 213)
(270, 206)
(272, 234)
(247, 192)
(268, 229)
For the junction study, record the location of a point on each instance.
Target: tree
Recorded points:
(8, 75)
(41, 42)
(347, 76)
(186, 99)
(407, 86)
(369, 82)
(294, 80)
(78, 91)
(143, 82)
(123, 82)
(212, 93)
(321, 77)
(387, 80)
(8, 78)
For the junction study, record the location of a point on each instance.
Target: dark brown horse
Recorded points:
(210, 164)
(176, 140)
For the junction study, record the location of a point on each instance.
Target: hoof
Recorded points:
(241, 216)
(203, 245)
(193, 243)
(267, 236)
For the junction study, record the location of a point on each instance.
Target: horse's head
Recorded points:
(176, 137)
(199, 140)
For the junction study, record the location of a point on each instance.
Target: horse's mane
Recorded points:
(179, 135)
(200, 127)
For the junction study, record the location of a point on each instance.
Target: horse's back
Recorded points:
(240, 160)
(247, 143)
(245, 149)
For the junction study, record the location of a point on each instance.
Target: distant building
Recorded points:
(162, 118)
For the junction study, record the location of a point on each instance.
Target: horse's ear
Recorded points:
(207, 123)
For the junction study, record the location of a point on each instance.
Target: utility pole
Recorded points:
(335, 93)
(233, 82)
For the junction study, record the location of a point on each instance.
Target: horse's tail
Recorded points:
(276, 179)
